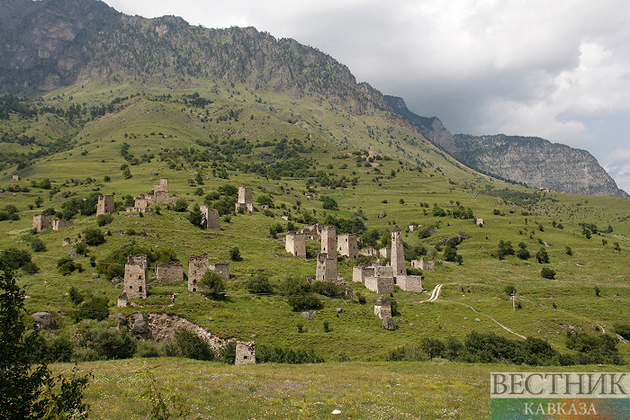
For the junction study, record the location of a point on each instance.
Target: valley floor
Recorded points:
(359, 390)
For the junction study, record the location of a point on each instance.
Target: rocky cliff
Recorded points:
(52, 43)
(533, 161)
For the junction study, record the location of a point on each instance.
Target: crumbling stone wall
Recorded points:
(42, 221)
(360, 273)
(384, 285)
(135, 282)
(409, 283)
(245, 353)
(59, 224)
(105, 205)
(222, 269)
(423, 264)
(170, 271)
(348, 245)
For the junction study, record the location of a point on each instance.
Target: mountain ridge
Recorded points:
(533, 161)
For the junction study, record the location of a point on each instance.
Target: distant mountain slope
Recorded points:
(534, 161)
(53, 43)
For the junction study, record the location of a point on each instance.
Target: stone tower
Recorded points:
(42, 221)
(105, 204)
(329, 241)
(210, 218)
(135, 283)
(398, 253)
(348, 246)
(245, 200)
(197, 267)
(295, 244)
(326, 268)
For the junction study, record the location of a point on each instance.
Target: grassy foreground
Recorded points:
(394, 390)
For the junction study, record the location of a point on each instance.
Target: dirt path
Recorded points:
(434, 294)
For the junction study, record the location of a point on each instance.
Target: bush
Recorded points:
(568, 250)
(75, 295)
(192, 346)
(542, 257)
(259, 285)
(14, 258)
(623, 330)
(269, 354)
(180, 205)
(95, 307)
(93, 237)
(67, 266)
(304, 303)
(523, 254)
(104, 219)
(504, 249)
(450, 254)
(326, 288)
(101, 342)
(37, 245)
(329, 203)
(548, 273)
(235, 254)
(228, 353)
(212, 283)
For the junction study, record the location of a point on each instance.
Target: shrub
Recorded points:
(542, 257)
(104, 219)
(81, 248)
(329, 203)
(75, 295)
(180, 205)
(14, 258)
(326, 288)
(191, 345)
(568, 250)
(304, 303)
(228, 353)
(212, 283)
(523, 254)
(259, 284)
(93, 237)
(504, 249)
(67, 265)
(107, 343)
(95, 307)
(37, 245)
(548, 273)
(623, 330)
(235, 254)
(450, 254)
(269, 354)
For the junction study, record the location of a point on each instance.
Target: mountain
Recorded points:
(53, 43)
(533, 161)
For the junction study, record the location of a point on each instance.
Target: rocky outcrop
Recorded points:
(532, 161)
(163, 327)
(45, 320)
(537, 163)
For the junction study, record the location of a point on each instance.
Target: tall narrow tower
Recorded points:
(329, 241)
(398, 253)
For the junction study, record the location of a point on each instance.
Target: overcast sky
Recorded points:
(557, 69)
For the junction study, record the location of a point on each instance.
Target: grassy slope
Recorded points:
(357, 334)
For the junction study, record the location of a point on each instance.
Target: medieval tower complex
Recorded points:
(398, 253)
(136, 271)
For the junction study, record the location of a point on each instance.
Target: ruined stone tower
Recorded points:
(136, 271)
(326, 268)
(170, 271)
(295, 244)
(42, 221)
(210, 217)
(329, 241)
(398, 253)
(197, 267)
(105, 205)
(245, 200)
(347, 245)
(245, 353)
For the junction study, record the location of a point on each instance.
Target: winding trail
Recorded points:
(435, 294)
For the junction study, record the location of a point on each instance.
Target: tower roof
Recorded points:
(396, 229)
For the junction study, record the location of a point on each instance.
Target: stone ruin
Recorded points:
(382, 279)
(15, 177)
(423, 265)
(123, 300)
(347, 245)
(170, 271)
(329, 241)
(295, 244)
(245, 200)
(135, 281)
(42, 221)
(160, 195)
(479, 222)
(59, 224)
(210, 217)
(197, 267)
(413, 226)
(105, 205)
(245, 353)
(383, 308)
